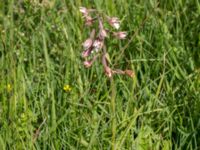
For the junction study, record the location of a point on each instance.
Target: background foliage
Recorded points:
(40, 53)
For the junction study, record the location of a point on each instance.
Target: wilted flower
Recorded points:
(114, 22)
(88, 43)
(118, 71)
(130, 73)
(120, 35)
(108, 71)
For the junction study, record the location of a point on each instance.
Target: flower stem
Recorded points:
(113, 114)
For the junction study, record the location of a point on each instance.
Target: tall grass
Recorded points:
(40, 47)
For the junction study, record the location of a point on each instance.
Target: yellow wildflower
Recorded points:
(67, 88)
(9, 88)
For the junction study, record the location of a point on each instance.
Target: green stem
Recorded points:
(113, 114)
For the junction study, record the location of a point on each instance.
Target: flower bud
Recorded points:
(108, 71)
(103, 34)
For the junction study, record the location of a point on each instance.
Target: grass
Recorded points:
(40, 54)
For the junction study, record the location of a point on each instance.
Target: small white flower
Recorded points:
(116, 25)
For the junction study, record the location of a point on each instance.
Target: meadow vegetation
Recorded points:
(49, 100)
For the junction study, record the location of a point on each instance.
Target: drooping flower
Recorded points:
(120, 35)
(114, 22)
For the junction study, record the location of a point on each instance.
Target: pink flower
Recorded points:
(88, 20)
(120, 35)
(87, 63)
(98, 44)
(84, 11)
(103, 34)
(86, 52)
(114, 22)
(88, 43)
